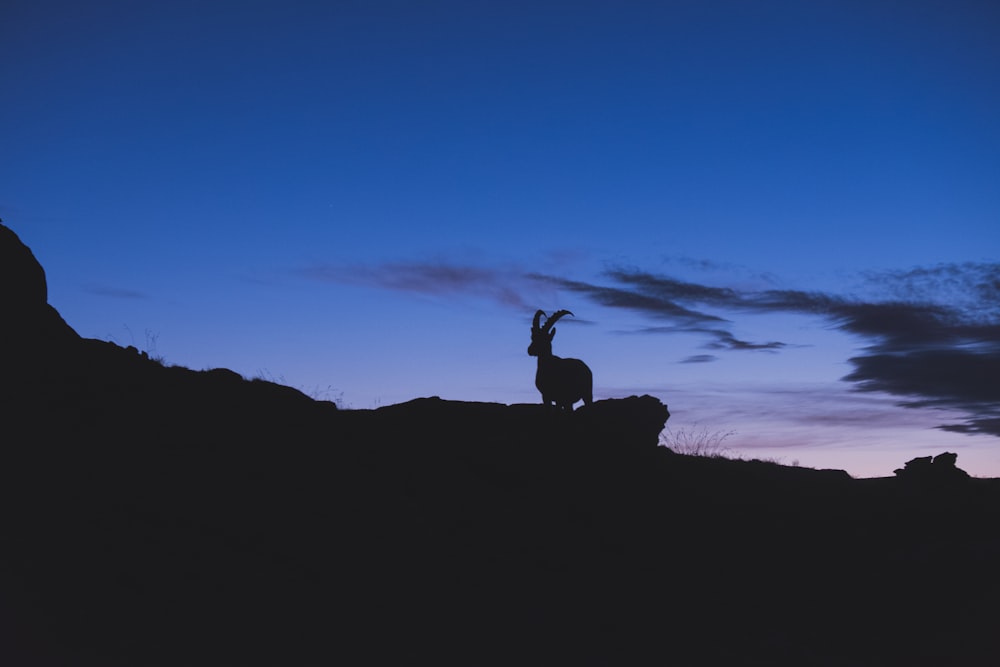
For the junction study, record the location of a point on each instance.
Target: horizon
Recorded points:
(780, 220)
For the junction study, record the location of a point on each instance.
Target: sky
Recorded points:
(780, 218)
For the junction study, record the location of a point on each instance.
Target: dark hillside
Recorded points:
(155, 515)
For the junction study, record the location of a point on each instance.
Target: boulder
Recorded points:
(634, 422)
(933, 470)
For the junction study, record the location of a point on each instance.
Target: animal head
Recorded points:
(542, 335)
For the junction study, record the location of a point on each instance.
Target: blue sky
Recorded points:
(779, 217)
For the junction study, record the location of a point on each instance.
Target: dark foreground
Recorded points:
(159, 516)
(469, 534)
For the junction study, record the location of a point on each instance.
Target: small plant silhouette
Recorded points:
(697, 442)
(148, 352)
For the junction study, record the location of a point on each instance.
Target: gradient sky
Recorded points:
(781, 218)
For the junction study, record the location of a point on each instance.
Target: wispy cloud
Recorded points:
(504, 286)
(700, 359)
(967, 283)
(667, 299)
(723, 340)
(645, 302)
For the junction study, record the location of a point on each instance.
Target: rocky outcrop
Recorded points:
(633, 423)
(47, 365)
(30, 324)
(22, 279)
(932, 470)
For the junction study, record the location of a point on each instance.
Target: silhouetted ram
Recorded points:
(562, 382)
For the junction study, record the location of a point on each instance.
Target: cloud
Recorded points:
(505, 286)
(934, 337)
(967, 283)
(652, 305)
(743, 274)
(986, 424)
(938, 377)
(726, 341)
(723, 339)
(933, 354)
(661, 297)
(699, 359)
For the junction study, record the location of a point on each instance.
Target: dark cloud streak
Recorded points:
(652, 305)
(932, 343)
(700, 359)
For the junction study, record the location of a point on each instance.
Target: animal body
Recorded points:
(562, 382)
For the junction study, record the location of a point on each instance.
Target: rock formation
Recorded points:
(30, 324)
(932, 470)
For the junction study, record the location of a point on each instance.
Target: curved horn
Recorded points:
(555, 318)
(534, 323)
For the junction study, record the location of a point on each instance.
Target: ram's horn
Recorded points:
(555, 318)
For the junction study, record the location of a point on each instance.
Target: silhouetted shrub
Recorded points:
(697, 442)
